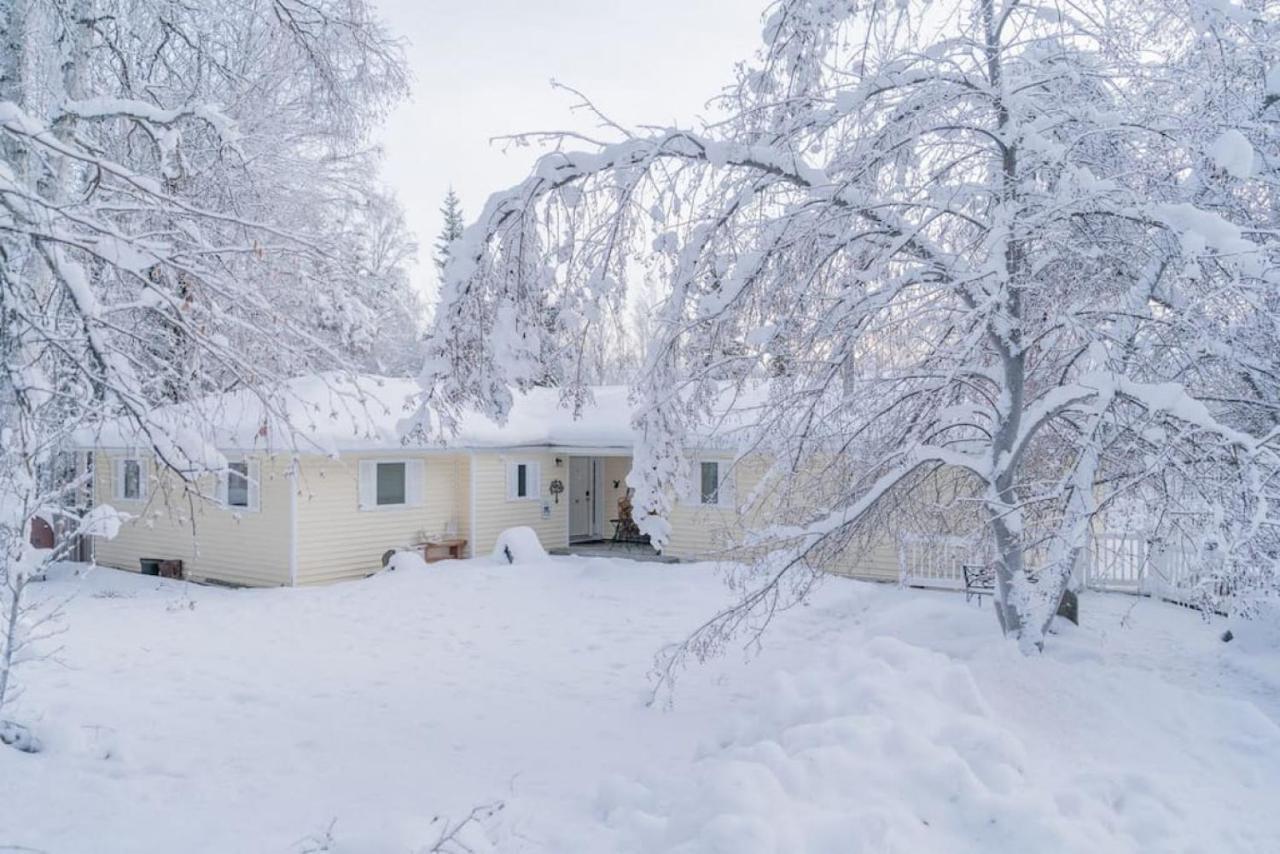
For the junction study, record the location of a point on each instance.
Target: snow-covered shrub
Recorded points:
(407, 560)
(519, 545)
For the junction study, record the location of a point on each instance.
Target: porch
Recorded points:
(600, 516)
(609, 548)
(599, 500)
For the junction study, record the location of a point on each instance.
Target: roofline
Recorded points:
(602, 450)
(567, 450)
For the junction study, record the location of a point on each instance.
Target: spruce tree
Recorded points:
(451, 210)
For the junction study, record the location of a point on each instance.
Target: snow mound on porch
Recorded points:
(519, 545)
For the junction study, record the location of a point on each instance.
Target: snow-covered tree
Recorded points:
(164, 170)
(451, 230)
(1018, 250)
(383, 333)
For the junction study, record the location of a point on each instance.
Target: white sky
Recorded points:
(483, 67)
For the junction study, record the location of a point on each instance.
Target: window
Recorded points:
(524, 481)
(132, 480)
(709, 487)
(130, 485)
(710, 483)
(238, 484)
(391, 485)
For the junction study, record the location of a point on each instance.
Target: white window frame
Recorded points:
(253, 489)
(415, 479)
(532, 480)
(724, 474)
(118, 478)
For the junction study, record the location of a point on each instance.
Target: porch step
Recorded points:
(626, 551)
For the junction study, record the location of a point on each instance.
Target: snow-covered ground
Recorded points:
(192, 719)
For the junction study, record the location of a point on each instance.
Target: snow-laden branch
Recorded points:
(141, 111)
(806, 536)
(1013, 246)
(185, 204)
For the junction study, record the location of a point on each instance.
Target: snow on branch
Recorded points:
(1009, 245)
(141, 111)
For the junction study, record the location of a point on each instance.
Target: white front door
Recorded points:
(581, 497)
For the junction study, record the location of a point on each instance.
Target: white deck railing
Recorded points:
(1120, 561)
(937, 561)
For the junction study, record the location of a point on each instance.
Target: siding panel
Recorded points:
(700, 532)
(494, 513)
(338, 540)
(213, 543)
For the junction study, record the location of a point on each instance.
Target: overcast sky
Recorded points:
(483, 67)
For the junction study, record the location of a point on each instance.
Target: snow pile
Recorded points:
(407, 560)
(875, 720)
(938, 740)
(891, 749)
(519, 545)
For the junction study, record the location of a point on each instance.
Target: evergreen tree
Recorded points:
(451, 210)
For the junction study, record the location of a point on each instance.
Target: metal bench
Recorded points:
(979, 580)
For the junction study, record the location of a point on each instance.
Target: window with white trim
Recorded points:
(524, 481)
(238, 484)
(130, 479)
(711, 483)
(391, 484)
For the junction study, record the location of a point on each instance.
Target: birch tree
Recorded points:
(1021, 248)
(157, 164)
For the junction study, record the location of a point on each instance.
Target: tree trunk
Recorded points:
(16, 584)
(1005, 334)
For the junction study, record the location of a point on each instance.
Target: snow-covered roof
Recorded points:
(331, 413)
(539, 418)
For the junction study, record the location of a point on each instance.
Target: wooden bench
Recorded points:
(443, 549)
(979, 580)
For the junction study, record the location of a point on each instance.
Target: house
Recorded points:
(319, 486)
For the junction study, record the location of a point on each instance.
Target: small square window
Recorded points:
(131, 489)
(391, 484)
(238, 484)
(710, 486)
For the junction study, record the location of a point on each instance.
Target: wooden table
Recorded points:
(445, 549)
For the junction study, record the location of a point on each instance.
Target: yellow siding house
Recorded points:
(316, 484)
